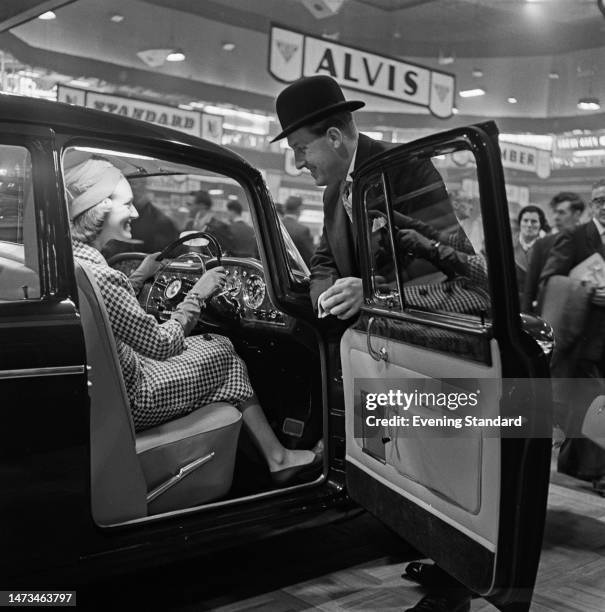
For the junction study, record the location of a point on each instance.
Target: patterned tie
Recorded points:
(346, 199)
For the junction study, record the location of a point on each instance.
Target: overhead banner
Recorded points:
(519, 157)
(514, 157)
(293, 55)
(189, 122)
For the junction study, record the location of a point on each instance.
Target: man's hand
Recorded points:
(344, 298)
(148, 267)
(415, 244)
(598, 297)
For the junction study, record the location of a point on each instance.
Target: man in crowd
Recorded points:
(153, 227)
(567, 208)
(317, 120)
(204, 220)
(463, 205)
(580, 457)
(242, 234)
(300, 234)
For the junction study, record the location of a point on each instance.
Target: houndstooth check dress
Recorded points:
(166, 374)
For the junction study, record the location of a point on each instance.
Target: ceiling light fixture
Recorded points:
(228, 46)
(553, 75)
(472, 93)
(185, 107)
(512, 100)
(117, 18)
(589, 103)
(477, 73)
(455, 111)
(47, 16)
(176, 55)
(79, 83)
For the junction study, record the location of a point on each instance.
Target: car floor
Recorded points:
(356, 566)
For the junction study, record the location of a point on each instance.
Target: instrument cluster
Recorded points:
(244, 296)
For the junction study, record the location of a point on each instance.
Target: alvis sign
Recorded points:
(293, 55)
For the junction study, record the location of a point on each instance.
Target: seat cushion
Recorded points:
(165, 449)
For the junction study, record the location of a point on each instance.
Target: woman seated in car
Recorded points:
(167, 373)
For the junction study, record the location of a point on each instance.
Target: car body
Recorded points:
(304, 369)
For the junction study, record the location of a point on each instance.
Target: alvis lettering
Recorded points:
(361, 71)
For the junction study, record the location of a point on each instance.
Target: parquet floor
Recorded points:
(356, 566)
(571, 576)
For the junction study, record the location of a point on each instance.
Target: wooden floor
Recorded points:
(357, 565)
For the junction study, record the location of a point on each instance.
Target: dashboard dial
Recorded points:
(254, 291)
(234, 283)
(173, 288)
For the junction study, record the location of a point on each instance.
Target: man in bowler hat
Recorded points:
(317, 121)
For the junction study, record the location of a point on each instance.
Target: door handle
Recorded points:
(381, 354)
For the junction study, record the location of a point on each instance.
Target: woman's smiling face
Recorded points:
(117, 223)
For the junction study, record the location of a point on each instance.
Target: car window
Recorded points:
(19, 267)
(427, 253)
(172, 198)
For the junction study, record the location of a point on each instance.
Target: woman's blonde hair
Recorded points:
(87, 226)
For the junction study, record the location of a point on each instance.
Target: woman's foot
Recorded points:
(291, 459)
(296, 466)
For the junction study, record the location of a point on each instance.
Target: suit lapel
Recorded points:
(338, 230)
(593, 239)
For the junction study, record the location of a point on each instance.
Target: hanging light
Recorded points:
(589, 103)
(176, 55)
(47, 16)
(471, 93)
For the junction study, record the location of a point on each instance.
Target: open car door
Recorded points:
(437, 355)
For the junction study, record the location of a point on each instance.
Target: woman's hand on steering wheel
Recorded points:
(210, 282)
(149, 266)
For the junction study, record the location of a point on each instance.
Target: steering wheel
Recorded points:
(218, 252)
(219, 308)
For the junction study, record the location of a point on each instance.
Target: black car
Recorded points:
(76, 499)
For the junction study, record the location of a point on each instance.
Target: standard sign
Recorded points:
(293, 55)
(169, 116)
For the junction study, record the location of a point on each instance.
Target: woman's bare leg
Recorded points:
(277, 456)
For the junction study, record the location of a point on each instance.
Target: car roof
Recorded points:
(61, 117)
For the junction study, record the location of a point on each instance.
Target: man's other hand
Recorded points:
(344, 298)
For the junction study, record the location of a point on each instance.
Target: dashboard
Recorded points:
(244, 298)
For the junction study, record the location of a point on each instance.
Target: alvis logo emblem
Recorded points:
(287, 50)
(293, 55)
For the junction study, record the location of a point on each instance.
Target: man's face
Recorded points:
(529, 228)
(597, 203)
(324, 156)
(565, 217)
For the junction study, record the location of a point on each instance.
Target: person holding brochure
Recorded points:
(579, 456)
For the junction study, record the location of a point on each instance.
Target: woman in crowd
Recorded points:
(166, 372)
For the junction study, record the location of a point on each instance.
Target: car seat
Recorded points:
(182, 463)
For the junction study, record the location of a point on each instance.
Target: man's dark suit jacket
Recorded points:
(570, 248)
(154, 228)
(336, 256)
(243, 240)
(301, 236)
(537, 260)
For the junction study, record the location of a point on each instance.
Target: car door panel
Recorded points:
(469, 498)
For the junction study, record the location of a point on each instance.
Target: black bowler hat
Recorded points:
(308, 100)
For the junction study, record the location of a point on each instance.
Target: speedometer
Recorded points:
(254, 291)
(173, 288)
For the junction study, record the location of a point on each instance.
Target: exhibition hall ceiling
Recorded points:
(533, 59)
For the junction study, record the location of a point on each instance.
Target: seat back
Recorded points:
(118, 487)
